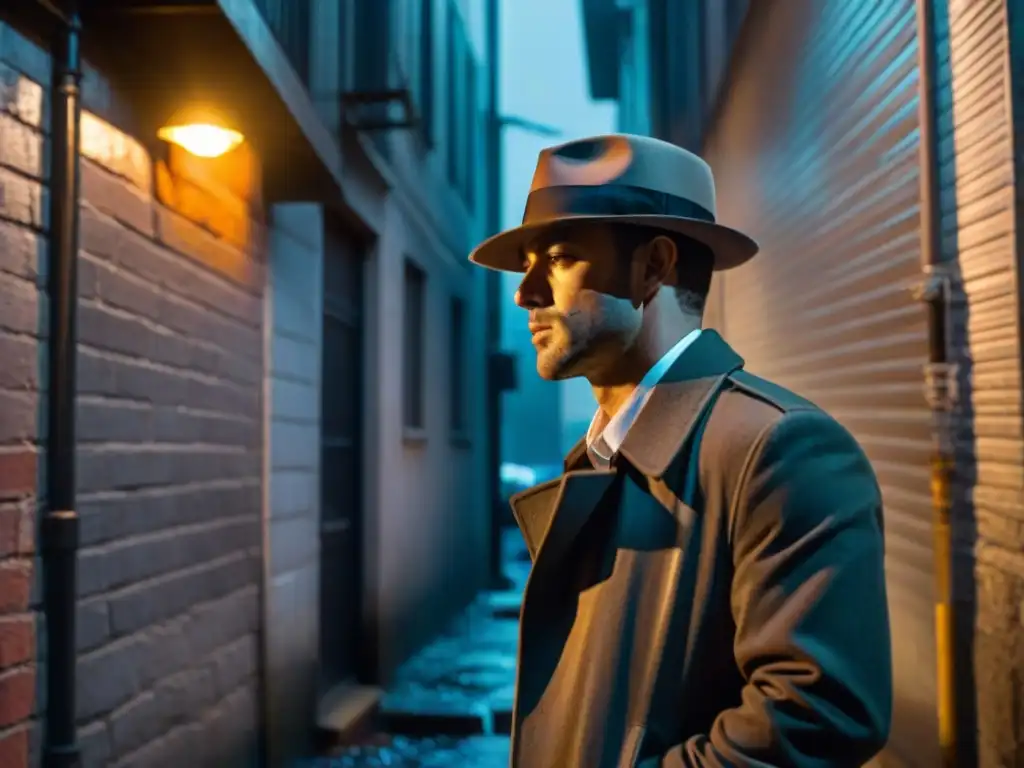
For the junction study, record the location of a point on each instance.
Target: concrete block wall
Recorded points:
(170, 431)
(294, 329)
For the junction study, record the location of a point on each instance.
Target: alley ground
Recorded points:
(451, 704)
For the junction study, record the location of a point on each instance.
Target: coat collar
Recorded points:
(665, 423)
(652, 443)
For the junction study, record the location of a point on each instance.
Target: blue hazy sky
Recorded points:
(544, 79)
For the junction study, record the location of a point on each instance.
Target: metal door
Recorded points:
(816, 155)
(341, 495)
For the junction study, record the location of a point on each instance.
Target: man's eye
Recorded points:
(561, 260)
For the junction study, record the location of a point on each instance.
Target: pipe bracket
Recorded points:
(941, 388)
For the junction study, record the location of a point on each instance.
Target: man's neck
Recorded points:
(615, 385)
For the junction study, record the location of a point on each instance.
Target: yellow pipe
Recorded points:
(944, 628)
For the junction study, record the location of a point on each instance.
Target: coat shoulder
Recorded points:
(781, 399)
(747, 408)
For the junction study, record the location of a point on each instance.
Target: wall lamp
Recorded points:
(200, 132)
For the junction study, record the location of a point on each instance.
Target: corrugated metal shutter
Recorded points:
(816, 154)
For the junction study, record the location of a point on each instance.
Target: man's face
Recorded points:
(583, 300)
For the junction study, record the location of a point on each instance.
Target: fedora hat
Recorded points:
(619, 179)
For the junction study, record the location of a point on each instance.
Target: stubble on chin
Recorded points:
(564, 356)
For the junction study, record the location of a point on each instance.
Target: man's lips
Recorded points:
(536, 328)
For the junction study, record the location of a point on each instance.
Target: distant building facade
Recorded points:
(280, 409)
(531, 414)
(809, 115)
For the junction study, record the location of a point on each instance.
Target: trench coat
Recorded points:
(716, 598)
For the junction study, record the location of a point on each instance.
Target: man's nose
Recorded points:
(534, 291)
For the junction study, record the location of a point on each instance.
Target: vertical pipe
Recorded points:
(493, 224)
(60, 524)
(940, 394)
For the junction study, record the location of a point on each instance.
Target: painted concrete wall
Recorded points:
(292, 465)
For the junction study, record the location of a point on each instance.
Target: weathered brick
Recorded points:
(17, 465)
(17, 528)
(139, 721)
(15, 585)
(132, 560)
(113, 421)
(121, 468)
(187, 693)
(93, 624)
(172, 425)
(109, 677)
(19, 305)
(95, 373)
(17, 639)
(99, 234)
(123, 290)
(109, 517)
(94, 741)
(168, 270)
(211, 206)
(14, 747)
(21, 147)
(102, 468)
(106, 328)
(172, 595)
(182, 745)
(222, 621)
(10, 529)
(235, 719)
(22, 199)
(116, 151)
(17, 695)
(19, 423)
(22, 360)
(117, 197)
(22, 251)
(192, 240)
(20, 97)
(234, 664)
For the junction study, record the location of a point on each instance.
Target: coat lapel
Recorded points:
(666, 422)
(552, 513)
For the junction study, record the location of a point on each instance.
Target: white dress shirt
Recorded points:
(605, 436)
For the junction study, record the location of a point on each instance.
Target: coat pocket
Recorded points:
(631, 746)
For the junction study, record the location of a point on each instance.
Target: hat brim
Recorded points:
(731, 248)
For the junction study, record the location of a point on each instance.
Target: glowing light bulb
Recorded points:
(202, 139)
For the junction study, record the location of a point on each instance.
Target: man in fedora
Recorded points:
(707, 585)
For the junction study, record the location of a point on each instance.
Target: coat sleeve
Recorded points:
(809, 603)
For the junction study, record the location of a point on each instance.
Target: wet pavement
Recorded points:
(450, 705)
(438, 752)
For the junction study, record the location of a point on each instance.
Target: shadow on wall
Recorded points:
(962, 422)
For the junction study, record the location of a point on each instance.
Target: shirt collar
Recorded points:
(605, 436)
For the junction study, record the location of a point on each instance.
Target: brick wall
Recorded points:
(170, 414)
(22, 260)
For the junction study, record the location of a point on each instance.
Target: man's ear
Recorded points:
(660, 263)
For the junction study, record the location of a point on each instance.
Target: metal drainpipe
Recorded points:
(60, 524)
(940, 378)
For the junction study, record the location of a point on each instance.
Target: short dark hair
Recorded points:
(695, 262)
